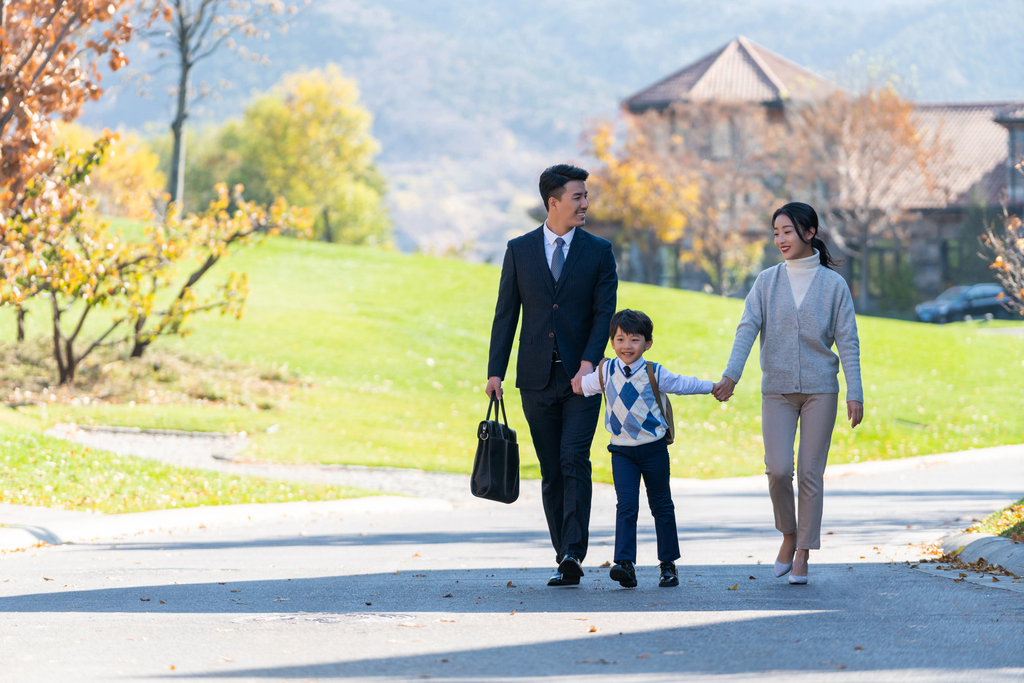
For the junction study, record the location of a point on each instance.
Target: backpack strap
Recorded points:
(654, 387)
(600, 373)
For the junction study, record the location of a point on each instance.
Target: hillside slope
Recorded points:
(396, 346)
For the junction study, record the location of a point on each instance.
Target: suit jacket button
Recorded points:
(555, 307)
(551, 334)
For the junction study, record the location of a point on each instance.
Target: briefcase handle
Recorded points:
(500, 402)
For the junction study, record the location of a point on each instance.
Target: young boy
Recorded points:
(638, 446)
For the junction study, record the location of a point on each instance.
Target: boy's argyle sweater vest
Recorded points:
(632, 414)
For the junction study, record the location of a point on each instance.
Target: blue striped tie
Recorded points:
(557, 259)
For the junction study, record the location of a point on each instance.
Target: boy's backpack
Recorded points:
(663, 404)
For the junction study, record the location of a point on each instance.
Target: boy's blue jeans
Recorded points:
(629, 463)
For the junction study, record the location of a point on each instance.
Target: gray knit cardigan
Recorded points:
(796, 343)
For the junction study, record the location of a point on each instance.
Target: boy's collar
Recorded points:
(634, 366)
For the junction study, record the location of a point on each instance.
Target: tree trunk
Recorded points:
(328, 236)
(864, 298)
(677, 270)
(58, 355)
(21, 323)
(720, 273)
(140, 345)
(176, 179)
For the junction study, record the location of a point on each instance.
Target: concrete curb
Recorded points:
(92, 528)
(995, 549)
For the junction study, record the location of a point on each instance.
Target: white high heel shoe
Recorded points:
(797, 580)
(783, 569)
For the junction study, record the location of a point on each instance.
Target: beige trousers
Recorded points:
(816, 414)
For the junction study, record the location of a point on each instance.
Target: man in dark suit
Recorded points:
(563, 278)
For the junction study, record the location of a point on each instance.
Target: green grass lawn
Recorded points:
(43, 471)
(396, 346)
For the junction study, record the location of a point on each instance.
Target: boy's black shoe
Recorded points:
(624, 573)
(669, 577)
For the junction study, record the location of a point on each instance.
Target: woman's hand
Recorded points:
(724, 389)
(855, 412)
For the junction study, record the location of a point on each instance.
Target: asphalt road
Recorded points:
(457, 593)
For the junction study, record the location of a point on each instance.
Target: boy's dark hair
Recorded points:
(554, 178)
(631, 322)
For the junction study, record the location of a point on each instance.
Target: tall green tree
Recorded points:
(309, 140)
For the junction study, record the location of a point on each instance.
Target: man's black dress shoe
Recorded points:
(570, 568)
(559, 579)
(624, 573)
(669, 576)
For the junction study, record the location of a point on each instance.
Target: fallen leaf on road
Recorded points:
(510, 585)
(447, 621)
(511, 613)
(994, 580)
(735, 587)
(162, 602)
(752, 577)
(858, 648)
(448, 595)
(46, 579)
(368, 604)
(642, 656)
(606, 564)
(592, 629)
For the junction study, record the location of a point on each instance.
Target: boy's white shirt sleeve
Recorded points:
(592, 383)
(671, 383)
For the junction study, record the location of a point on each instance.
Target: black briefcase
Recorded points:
(496, 467)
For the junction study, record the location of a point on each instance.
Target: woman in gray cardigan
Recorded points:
(800, 307)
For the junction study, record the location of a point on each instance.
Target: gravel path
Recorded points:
(218, 452)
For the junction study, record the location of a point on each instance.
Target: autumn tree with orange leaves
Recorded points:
(53, 248)
(696, 178)
(635, 189)
(50, 52)
(851, 155)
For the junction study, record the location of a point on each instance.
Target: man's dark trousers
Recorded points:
(562, 424)
(563, 320)
(629, 463)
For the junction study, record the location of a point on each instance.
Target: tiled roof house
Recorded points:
(983, 140)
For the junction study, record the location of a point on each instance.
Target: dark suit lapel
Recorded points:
(545, 269)
(578, 244)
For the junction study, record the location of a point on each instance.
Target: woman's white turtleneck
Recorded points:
(800, 272)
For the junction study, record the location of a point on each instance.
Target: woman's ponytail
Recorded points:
(805, 219)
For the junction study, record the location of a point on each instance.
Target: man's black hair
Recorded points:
(554, 178)
(631, 322)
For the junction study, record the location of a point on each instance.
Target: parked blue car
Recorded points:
(965, 302)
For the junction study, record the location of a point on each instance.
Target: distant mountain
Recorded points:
(473, 99)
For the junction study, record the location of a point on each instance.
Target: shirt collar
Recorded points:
(550, 237)
(635, 366)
